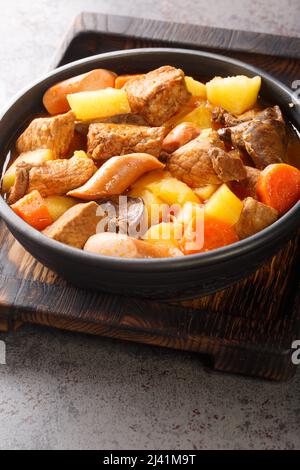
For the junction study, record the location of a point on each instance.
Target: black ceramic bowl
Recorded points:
(156, 278)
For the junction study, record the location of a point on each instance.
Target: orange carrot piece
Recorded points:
(278, 186)
(55, 98)
(199, 238)
(122, 79)
(33, 209)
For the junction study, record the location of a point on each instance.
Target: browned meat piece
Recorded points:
(227, 165)
(109, 140)
(20, 185)
(158, 95)
(76, 225)
(53, 133)
(220, 116)
(130, 119)
(204, 161)
(263, 137)
(254, 217)
(246, 187)
(224, 118)
(265, 142)
(57, 177)
(270, 113)
(192, 164)
(54, 177)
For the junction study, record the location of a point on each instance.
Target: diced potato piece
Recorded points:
(163, 189)
(200, 116)
(148, 178)
(152, 204)
(172, 191)
(189, 211)
(99, 104)
(165, 232)
(80, 154)
(224, 205)
(235, 94)
(34, 157)
(58, 205)
(196, 88)
(204, 192)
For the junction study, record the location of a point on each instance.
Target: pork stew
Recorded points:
(153, 165)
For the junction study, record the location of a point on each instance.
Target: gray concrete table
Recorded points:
(72, 391)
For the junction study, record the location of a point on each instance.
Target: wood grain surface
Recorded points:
(247, 328)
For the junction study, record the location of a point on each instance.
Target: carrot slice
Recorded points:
(278, 186)
(207, 234)
(33, 209)
(122, 79)
(55, 98)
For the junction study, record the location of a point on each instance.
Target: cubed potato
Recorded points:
(34, 157)
(146, 180)
(235, 94)
(58, 205)
(55, 98)
(205, 192)
(165, 232)
(172, 191)
(165, 188)
(224, 205)
(196, 88)
(201, 116)
(80, 153)
(99, 104)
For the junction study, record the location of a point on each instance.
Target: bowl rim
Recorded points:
(238, 249)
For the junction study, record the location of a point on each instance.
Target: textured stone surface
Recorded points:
(64, 390)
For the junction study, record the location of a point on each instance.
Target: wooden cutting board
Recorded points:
(248, 328)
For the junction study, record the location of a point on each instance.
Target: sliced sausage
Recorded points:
(55, 98)
(116, 175)
(179, 136)
(112, 244)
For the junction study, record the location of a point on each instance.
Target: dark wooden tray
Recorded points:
(248, 328)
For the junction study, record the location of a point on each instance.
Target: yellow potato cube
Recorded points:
(235, 94)
(58, 205)
(165, 232)
(204, 192)
(224, 205)
(80, 154)
(200, 116)
(34, 157)
(196, 88)
(172, 191)
(99, 104)
(146, 180)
